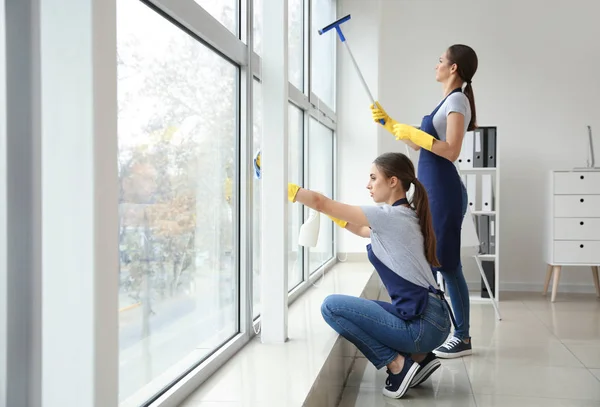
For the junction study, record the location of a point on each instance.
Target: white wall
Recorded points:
(356, 134)
(536, 82)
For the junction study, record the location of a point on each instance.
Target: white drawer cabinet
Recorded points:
(573, 224)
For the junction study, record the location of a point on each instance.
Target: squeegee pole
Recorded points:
(362, 79)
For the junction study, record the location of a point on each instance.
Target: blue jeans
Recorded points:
(380, 335)
(458, 291)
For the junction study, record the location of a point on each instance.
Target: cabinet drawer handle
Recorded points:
(581, 200)
(581, 223)
(581, 246)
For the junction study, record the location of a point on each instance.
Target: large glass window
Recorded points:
(224, 11)
(256, 196)
(295, 147)
(296, 43)
(295, 39)
(320, 178)
(295, 260)
(323, 51)
(177, 132)
(257, 21)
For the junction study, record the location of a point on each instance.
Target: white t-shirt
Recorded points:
(456, 102)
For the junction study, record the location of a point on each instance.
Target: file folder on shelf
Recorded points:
(490, 147)
(465, 158)
(492, 238)
(487, 193)
(472, 190)
(479, 153)
(490, 275)
(483, 229)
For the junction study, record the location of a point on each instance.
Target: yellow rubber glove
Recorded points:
(292, 191)
(378, 113)
(419, 137)
(339, 222)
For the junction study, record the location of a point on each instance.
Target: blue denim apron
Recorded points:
(444, 189)
(409, 300)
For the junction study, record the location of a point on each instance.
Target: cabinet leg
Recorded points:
(596, 280)
(548, 277)
(556, 270)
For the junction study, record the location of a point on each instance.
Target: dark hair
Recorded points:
(400, 166)
(465, 59)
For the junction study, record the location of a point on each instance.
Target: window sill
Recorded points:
(314, 360)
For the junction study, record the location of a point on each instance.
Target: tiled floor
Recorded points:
(541, 354)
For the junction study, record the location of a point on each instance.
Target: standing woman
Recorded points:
(440, 140)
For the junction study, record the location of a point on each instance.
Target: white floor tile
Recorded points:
(512, 401)
(551, 353)
(588, 354)
(371, 397)
(533, 381)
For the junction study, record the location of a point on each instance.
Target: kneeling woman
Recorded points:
(399, 335)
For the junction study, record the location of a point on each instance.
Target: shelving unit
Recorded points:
(477, 161)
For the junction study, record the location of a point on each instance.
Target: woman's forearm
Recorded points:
(412, 145)
(313, 200)
(446, 150)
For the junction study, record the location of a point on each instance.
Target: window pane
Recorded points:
(225, 11)
(177, 123)
(295, 147)
(296, 43)
(256, 191)
(320, 178)
(323, 51)
(257, 26)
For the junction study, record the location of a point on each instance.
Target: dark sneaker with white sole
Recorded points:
(454, 348)
(397, 384)
(427, 366)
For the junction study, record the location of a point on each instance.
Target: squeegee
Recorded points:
(336, 25)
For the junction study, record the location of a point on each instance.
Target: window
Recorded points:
(296, 43)
(256, 196)
(295, 147)
(257, 20)
(295, 39)
(177, 134)
(225, 11)
(323, 51)
(320, 178)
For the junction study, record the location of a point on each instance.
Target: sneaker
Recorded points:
(427, 366)
(453, 348)
(397, 384)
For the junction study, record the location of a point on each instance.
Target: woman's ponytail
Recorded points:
(421, 203)
(469, 94)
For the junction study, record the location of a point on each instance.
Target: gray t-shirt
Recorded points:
(397, 241)
(456, 102)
